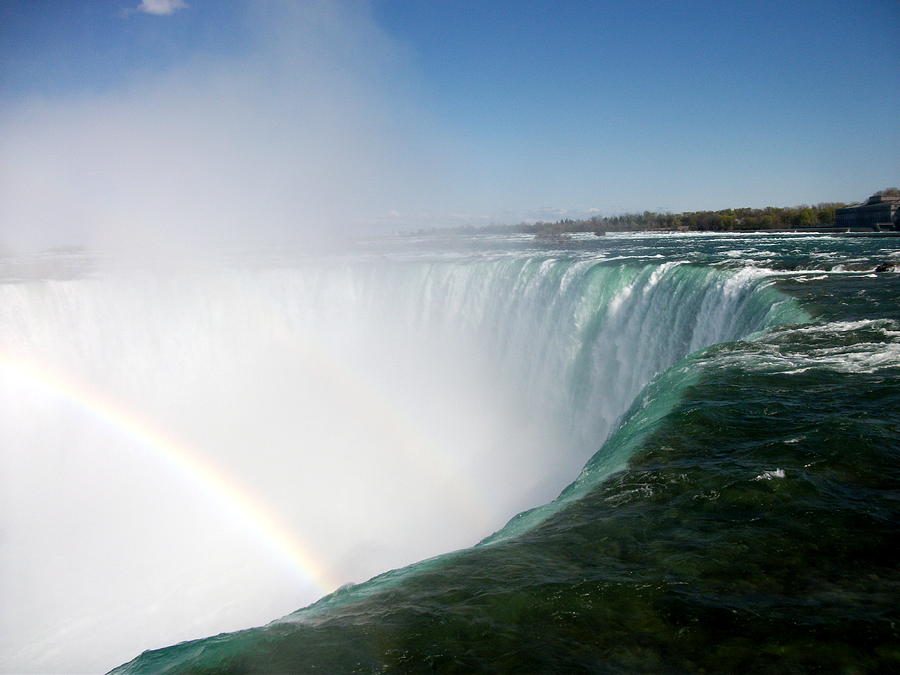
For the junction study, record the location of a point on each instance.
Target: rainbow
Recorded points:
(182, 458)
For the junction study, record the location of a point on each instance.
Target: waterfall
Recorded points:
(380, 411)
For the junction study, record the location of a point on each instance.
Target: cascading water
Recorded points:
(381, 411)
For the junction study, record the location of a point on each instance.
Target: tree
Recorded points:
(825, 216)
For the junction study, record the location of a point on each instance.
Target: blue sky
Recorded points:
(759, 102)
(471, 110)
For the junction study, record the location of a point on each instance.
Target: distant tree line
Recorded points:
(889, 192)
(768, 218)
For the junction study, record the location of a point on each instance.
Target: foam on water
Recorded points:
(770, 475)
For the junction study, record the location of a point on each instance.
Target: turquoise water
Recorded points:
(726, 413)
(741, 517)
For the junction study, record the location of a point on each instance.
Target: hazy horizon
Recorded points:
(169, 124)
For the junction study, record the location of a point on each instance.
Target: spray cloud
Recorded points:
(310, 128)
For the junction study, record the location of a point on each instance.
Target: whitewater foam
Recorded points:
(770, 475)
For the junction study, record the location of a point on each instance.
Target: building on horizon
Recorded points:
(877, 212)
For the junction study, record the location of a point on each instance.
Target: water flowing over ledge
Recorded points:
(439, 396)
(691, 541)
(571, 343)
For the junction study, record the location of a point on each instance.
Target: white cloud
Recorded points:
(160, 7)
